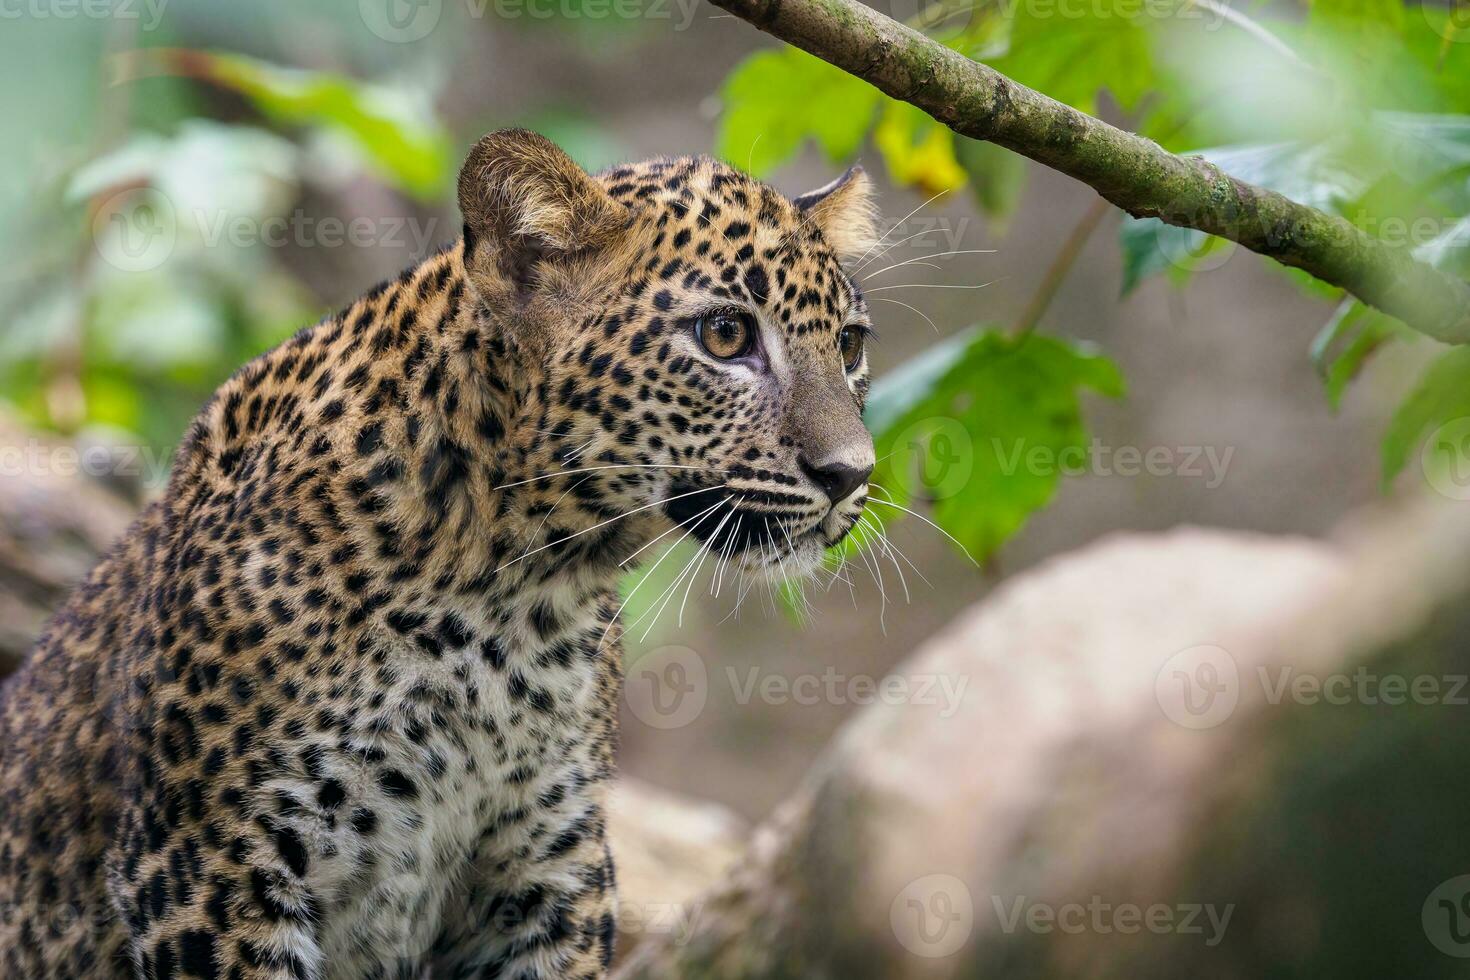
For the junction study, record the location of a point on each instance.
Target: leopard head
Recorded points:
(696, 339)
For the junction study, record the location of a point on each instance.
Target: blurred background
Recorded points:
(189, 181)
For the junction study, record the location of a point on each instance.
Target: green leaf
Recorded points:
(1346, 342)
(983, 426)
(1359, 15)
(1073, 58)
(1441, 398)
(1357, 331)
(896, 393)
(775, 101)
(398, 136)
(997, 177)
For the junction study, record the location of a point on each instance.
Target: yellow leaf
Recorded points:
(919, 152)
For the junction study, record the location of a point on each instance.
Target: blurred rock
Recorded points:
(54, 525)
(670, 849)
(1194, 754)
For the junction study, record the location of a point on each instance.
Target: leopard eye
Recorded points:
(851, 343)
(727, 334)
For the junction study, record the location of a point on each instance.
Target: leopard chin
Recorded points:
(802, 558)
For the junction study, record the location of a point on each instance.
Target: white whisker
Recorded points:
(885, 299)
(664, 596)
(888, 551)
(879, 500)
(610, 466)
(877, 575)
(703, 554)
(537, 533)
(897, 225)
(654, 567)
(928, 285)
(889, 248)
(937, 255)
(671, 530)
(589, 530)
(898, 551)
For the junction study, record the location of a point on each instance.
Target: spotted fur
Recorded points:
(342, 703)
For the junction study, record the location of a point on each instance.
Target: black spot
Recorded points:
(292, 850)
(369, 439)
(364, 821)
(453, 632)
(756, 284)
(331, 795)
(493, 653)
(198, 955)
(163, 961)
(395, 783)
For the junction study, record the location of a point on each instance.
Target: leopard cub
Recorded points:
(343, 702)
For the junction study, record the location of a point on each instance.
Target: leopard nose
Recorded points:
(837, 480)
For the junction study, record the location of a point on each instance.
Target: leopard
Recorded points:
(343, 702)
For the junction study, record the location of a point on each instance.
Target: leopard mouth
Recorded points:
(733, 522)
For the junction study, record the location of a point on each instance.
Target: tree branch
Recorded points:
(1132, 172)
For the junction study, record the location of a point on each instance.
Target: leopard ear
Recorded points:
(844, 212)
(528, 208)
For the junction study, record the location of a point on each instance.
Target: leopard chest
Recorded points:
(463, 751)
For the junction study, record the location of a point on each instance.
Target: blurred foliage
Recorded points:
(1441, 398)
(398, 134)
(134, 285)
(173, 208)
(1356, 107)
(983, 425)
